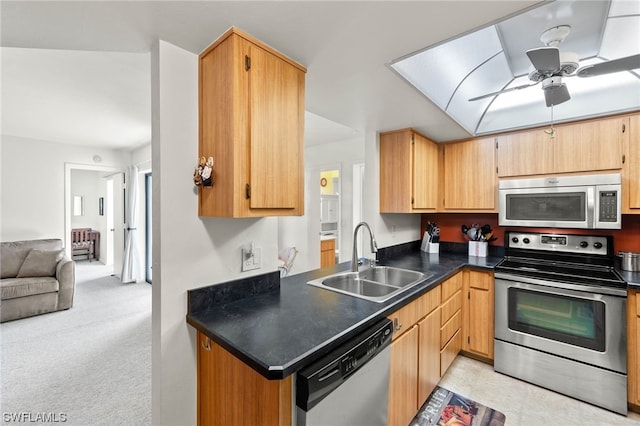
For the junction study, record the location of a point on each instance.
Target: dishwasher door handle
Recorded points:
(329, 374)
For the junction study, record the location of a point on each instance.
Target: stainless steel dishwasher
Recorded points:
(350, 385)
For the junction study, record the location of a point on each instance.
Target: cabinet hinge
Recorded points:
(496, 143)
(247, 62)
(469, 295)
(468, 339)
(412, 200)
(247, 191)
(624, 127)
(623, 158)
(413, 139)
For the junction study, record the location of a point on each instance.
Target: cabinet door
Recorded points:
(225, 384)
(403, 379)
(276, 108)
(395, 172)
(428, 355)
(478, 310)
(470, 175)
(589, 146)
(632, 163)
(425, 173)
(525, 154)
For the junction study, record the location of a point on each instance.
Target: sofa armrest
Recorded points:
(66, 276)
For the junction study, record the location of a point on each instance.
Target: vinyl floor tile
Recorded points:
(525, 404)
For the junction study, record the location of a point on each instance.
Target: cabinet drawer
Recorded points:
(450, 307)
(449, 352)
(407, 316)
(479, 279)
(450, 328)
(450, 286)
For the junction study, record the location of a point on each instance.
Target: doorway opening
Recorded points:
(330, 213)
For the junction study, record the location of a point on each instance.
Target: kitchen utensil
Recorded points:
(629, 261)
(472, 233)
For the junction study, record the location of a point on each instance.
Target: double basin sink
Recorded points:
(376, 283)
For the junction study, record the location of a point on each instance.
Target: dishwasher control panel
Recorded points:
(331, 370)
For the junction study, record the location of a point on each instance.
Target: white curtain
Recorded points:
(131, 260)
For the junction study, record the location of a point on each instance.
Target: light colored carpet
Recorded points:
(89, 365)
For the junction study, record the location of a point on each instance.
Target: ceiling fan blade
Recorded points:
(545, 59)
(609, 67)
(499, 92)
(555, 95)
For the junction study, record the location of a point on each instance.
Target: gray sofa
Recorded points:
(35, 278)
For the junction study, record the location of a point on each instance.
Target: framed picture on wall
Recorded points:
(101, 206)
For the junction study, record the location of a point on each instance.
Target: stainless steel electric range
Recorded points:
(560, 316)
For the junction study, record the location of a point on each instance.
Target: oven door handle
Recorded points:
(592, 289)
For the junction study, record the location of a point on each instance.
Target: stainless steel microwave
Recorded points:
(589, 202)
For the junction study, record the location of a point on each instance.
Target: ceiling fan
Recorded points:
(551, 65)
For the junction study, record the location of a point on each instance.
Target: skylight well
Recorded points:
(495, 59)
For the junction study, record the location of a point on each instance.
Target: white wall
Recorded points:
(32, 185)
(188, 251)
(304, 232)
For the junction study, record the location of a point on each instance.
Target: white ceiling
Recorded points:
(78, 72)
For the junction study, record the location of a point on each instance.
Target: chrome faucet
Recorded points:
(354, 255)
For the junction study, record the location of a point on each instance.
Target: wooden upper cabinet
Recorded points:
(590, 146)
(587, 146)
(631, 168)
(524, 153)
(408, 172)
(252, 123)
(470, 175)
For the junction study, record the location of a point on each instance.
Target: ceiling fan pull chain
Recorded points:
(551, 132)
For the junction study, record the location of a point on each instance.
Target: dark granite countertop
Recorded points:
(280, 329)
(632, 278)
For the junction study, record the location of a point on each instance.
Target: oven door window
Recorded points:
(561, 206)
(571, 320)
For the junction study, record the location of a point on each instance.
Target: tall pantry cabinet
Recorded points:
(251, 100)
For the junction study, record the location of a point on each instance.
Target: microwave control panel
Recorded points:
(608, 202)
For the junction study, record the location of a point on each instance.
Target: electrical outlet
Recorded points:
(251, 259)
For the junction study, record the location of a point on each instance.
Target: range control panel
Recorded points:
(587, 244)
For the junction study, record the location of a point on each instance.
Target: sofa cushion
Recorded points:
(11, 259)
(13, 253)
(11, 288)
(40, 263)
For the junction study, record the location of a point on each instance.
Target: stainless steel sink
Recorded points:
(377, 283)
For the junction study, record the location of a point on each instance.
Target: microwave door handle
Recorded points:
(591, 207)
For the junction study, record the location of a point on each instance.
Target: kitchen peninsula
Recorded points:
(276, 327)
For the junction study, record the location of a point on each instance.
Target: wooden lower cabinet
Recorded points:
(478, 315)
(415, 356)
(232, 393)
(327, 252)
(403, 378)
(633, 352)
(428, 355)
